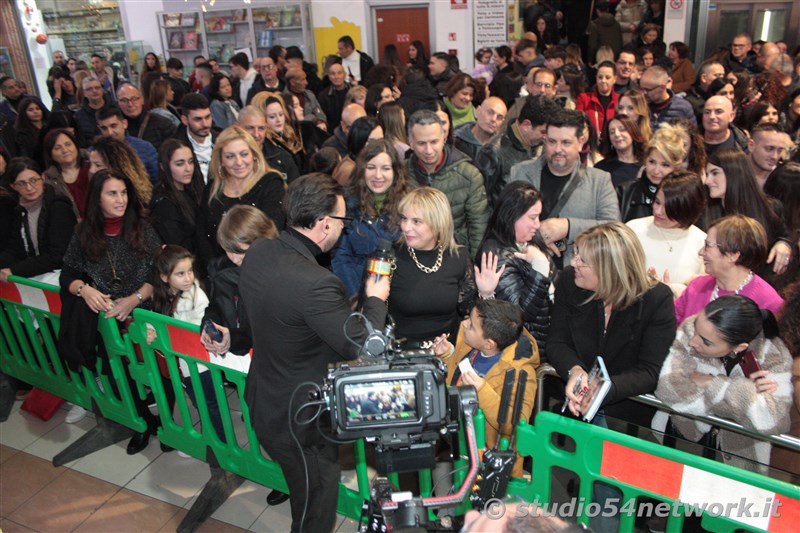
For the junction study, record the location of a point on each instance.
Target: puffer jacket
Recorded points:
(462, 183)
(496, 158)
(519, 356)
(357, 243)
(731, 396)
(526, 287)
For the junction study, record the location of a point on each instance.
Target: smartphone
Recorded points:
(211, 330)
(749, 363)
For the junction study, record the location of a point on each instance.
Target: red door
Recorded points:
(400, 26)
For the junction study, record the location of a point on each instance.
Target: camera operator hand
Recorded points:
(379, 289)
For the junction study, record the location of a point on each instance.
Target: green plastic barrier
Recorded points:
(728, 498)
(240, 454)
(30, 317)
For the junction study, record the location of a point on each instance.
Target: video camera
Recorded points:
(398, 400)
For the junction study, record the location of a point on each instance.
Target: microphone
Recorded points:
(382, 261)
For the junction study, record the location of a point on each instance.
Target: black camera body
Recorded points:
(400, 403)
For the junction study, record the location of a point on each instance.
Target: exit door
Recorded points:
(401, 26)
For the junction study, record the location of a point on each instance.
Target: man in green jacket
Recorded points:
(437, 165)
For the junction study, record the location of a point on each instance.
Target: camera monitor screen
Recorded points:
(380, 401)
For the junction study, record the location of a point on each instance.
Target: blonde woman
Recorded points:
(283, 144)
(606, 304)
(434, 285)
(663, 155)
(240, 176)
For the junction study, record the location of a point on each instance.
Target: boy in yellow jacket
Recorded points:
(489, 340)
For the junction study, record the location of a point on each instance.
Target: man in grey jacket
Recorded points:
(574, 198)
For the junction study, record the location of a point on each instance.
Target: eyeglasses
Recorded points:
(24, 184)
(709, 244)
(577, 261)
(651, 88)
(345, 220)
(131, 100)
(268, 67)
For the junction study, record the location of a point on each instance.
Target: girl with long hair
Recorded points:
(108, 268)
(732, 187)
(67, 167)
(634, 104)
(380, 181)
(176, 198)
(622, 147)
(31, 117)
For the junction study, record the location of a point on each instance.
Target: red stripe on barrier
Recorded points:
(53, 301)
(187, 342)
(641, 469)
(10, 292)
(787, 514)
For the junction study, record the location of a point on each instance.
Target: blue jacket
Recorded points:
(357, 243)
(148, 155)
(678, 107)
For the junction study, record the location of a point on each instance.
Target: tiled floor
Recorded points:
(110, 491)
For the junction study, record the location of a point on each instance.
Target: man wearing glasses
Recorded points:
(741, 56)
(267, 78)
(297, 310)
(656, 84)
(142, 124)
(626, 68)
(94, 100)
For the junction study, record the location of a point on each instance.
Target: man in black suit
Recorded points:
(297, 310)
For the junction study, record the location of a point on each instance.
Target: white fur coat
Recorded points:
(733, 397)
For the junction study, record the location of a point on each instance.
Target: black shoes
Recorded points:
(277, 497)
(138, 442)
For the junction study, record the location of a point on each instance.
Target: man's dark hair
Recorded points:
(195, 58)
(294, 52)
(603, 7)
(109, 111)
(538, 109)
(524, 44)
(205, 65)
(556, 52)
(275, 53)
(192, 102)
(607, 64)
(502, 321)
(441, 55)
(504, 51)
(98, 56)
(311, 197)
(347, 41)
(767, 126)
(414, 74)
(240, 60)
(4, 79)
(174, 63)
(567, 118)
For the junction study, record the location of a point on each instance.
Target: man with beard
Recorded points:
(764, 149)
(574, 197)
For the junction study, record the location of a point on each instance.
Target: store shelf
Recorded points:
(184, 49)
(82, 31)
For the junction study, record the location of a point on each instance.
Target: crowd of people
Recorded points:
(547, 204)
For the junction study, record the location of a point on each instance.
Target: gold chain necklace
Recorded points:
(427, 270)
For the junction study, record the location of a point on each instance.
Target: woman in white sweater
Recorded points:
(669, 237)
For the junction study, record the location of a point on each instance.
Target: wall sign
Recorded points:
(490, 23)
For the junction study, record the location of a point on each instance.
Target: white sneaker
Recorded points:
(183, 454)
(75, 414)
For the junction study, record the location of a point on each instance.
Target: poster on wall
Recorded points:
(490, 23)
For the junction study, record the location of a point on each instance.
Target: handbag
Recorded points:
(41, 403)
(709, 441)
